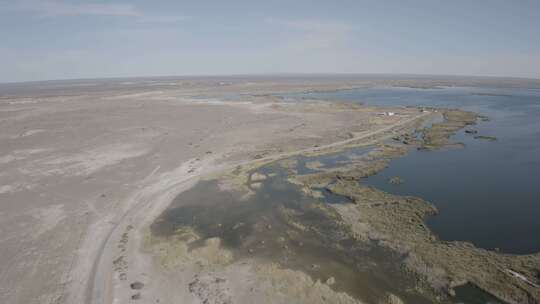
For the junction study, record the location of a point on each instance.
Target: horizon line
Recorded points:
(269, 75)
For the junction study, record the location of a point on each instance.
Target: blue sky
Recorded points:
(60, 39)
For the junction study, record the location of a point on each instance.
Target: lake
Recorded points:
(488, 193)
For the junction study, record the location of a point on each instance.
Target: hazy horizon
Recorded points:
(393, 76)
(63, 40)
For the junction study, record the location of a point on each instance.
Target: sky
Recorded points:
(66, 39)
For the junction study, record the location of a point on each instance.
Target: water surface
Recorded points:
(487, 193)
(279, 223)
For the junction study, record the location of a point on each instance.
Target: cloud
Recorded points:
(163, 19)
(58, 8)
(315, 34)
(310, 24)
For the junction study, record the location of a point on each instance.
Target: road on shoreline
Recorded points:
(97, 290)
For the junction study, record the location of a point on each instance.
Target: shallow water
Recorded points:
(280, 224)
(330, 161)
(487, 193)
(469, 294)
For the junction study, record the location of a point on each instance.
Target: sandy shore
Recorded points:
(82, 176)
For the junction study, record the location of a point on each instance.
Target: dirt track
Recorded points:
(75, 164)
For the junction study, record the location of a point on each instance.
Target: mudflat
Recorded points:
(79, 164)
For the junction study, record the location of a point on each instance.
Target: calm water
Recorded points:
(261, 227)
(469, 294)
(487, 193)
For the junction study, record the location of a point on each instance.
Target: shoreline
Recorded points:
(391, 227)
(74, 166)
(435, 137)
(82, 172)
(141, 253)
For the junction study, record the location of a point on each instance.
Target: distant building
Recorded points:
(387, 114)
